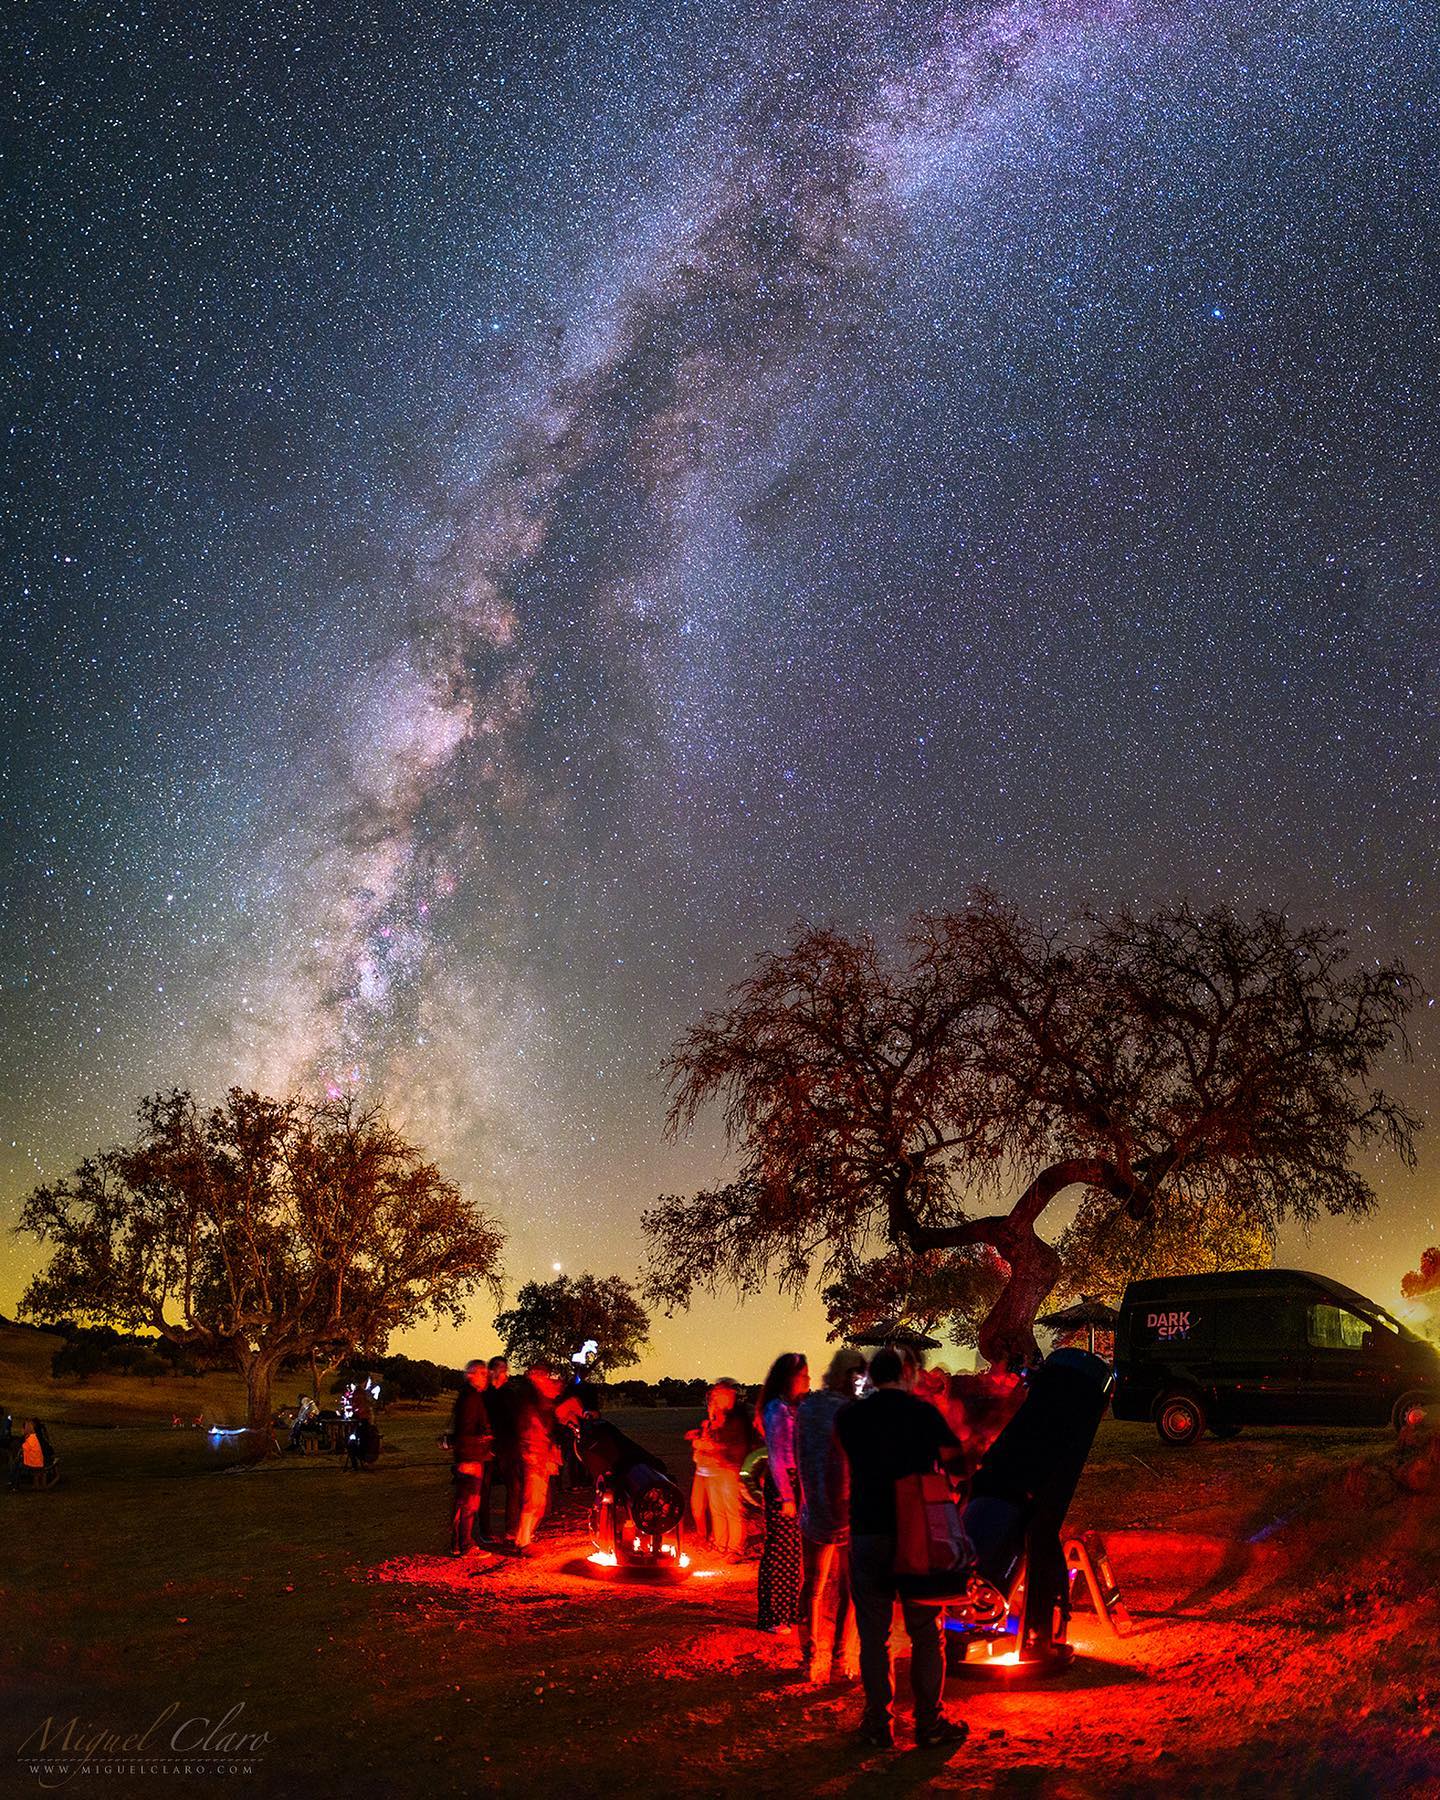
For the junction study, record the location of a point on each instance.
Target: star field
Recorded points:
(508, 508)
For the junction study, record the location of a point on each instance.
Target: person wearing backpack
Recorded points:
(885, 1436)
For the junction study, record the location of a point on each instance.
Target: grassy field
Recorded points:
(108, 1399)
(1285, 1639)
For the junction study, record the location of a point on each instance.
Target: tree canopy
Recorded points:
(1421, 1288)
(260, 1231)
(551, 1320)
(1103, 1248)
(873, 1103)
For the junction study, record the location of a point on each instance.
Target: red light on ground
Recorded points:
(606, 1565)
(1010, 1665)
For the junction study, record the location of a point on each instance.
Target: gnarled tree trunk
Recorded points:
(1007, 1336)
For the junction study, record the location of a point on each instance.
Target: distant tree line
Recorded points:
(100, 1349)
(400, 1377)
(89, 1350)
(665, 1392)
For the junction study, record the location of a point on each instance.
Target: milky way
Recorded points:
(509, 519)
(586, 513)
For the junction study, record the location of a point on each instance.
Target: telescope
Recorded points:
(637, 1510)
(1016, 1614)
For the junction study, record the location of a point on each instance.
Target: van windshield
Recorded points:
(1377, 1315)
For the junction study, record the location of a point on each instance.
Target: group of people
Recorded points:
(504, 1432)
(834, 1455)
(352, 1427)
(828, 1563)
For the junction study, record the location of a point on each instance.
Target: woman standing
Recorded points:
(721, 1443)
(781, 1563)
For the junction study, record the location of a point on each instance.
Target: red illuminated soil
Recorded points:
(1304, 1662)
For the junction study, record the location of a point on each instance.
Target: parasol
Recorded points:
(902, 1336)
(1087, 1314)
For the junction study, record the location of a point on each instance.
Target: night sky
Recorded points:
(510, 508)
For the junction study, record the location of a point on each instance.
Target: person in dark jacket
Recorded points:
(503, 1467)
(471, 1447)
(887, 1436)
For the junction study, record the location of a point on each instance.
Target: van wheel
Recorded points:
(1410, 1409)
(1180, 1418)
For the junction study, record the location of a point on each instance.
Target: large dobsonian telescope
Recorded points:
(1019, 1496)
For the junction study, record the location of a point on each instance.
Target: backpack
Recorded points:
(934, 1558)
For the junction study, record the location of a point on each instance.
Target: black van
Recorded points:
(1264, 1347)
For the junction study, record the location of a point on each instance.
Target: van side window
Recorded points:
(1333, 1328)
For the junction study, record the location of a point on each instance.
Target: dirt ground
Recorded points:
(1285, 1637)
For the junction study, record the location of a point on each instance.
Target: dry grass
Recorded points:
(107, 1399)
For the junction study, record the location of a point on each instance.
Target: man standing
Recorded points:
(535, 1394)
(501, 1466)
(885, 1436)
(471, 1445)
(827, 1619)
